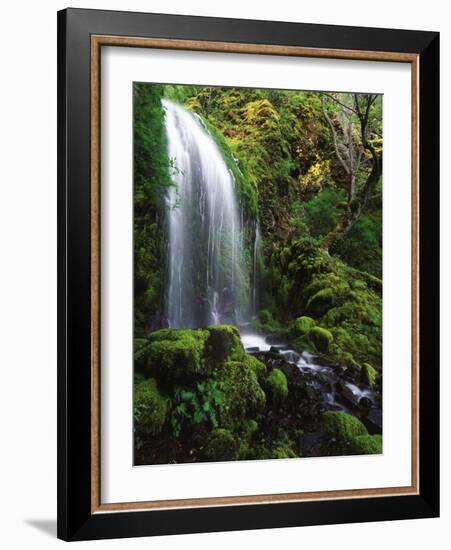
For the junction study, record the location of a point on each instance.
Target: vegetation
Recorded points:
(307, 170)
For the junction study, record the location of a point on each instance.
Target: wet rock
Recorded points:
(365, 403)
(373, 421)
(352, 373)
(253, 349)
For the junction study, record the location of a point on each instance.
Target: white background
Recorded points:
(28, 275)
(120, 482)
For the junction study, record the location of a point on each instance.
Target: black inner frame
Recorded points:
(75, 521)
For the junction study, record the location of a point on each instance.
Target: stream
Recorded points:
(337, 389)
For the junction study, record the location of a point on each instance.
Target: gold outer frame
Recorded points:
(97, 41)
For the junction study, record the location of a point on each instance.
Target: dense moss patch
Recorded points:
(149, 410)
(223, 342)
(242, 395)
(175, 355)
(321, 338)
(277, 385)
(367, 445)
(343, 426)
(221, 445)
(368, 375)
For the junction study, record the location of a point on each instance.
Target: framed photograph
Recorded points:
(248, 274)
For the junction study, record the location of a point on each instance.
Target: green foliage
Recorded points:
(265, 322)
(362, 246)
(202, 404)
(151, 177)
(324, 211)
(149, 409)
(368, 375)
(343, 426)
(367, 445)
(277, 386)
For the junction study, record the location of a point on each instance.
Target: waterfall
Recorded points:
(208, 278)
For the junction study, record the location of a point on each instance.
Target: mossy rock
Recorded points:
(259, 368)
(221, 445)
(149, 408)
(223, 342)
(279, 449)
(321, 338)
(176, 354)
(367, 445)
(343, 426)
(249, 428)
(302, 325)
(140, 352)
(242, 395)
(368, 375)
(277, 385)
(283, 450)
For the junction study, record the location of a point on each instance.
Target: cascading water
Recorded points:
(208, 276)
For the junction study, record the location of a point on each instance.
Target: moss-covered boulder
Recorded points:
(283, 450)
(149, 408)
(368, 375)
(140, 349)
(223, 342)
(221, 445)
(277, 386)
(257, 366)
(301, 326)
(321, 338)
(343, 426)
(242, 396)
(367, 445)
(175, 355)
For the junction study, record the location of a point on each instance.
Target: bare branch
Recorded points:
(334, 136)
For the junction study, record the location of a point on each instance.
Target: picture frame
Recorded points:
(81, 36)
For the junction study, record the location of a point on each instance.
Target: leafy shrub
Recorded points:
(191, 407)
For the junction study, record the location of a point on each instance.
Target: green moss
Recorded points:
(277, 385)
(140, 352)
(302, 325)
(221, 445)
(343, 426)
(368, 375)
(321, 338)
(276, 449)
(257, 366)
(176, 354)
(249, 428)
(283, 450)
(223, 342)
(242, 396)
(367, 445)
(266, 322)
(149, 408)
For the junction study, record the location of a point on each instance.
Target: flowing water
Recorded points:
(209, 281)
